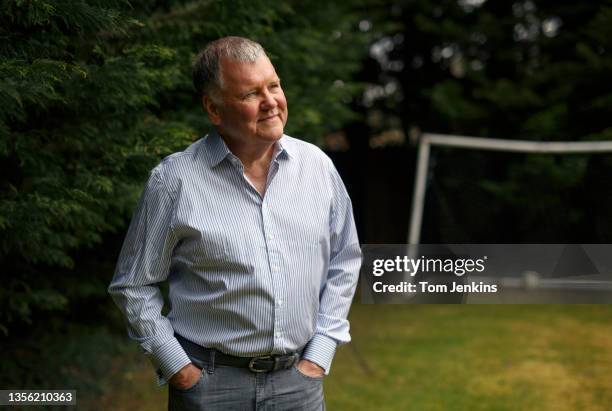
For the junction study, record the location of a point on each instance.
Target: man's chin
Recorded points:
(272, 135)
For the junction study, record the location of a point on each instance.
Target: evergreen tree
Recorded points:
(93, 93)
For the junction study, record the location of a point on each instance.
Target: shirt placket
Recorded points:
(275, 262)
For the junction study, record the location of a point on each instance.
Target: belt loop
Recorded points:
(211, 362)
(296, 359)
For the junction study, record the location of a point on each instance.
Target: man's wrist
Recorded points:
(310, 368)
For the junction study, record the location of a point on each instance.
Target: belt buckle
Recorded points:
(252, 363)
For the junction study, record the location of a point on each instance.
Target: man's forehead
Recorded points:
(246, 72)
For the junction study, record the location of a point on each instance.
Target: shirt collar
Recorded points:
(283, 148)
(216, 149)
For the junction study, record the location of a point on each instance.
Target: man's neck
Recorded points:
(256, 161)
(251, 156)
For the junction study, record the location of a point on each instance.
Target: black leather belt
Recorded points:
(264, 363)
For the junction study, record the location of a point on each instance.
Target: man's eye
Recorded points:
(250, 94)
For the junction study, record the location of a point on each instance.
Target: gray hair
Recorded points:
(206, 74)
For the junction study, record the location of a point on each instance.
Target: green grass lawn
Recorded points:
(446, 357)
(471, 357)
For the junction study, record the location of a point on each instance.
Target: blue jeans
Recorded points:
(230, 388)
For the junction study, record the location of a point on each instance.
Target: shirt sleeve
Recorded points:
(342, 275)
(143, 263)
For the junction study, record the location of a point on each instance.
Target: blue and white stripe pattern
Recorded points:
(247, 275)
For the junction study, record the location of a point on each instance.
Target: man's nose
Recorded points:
(269, 102)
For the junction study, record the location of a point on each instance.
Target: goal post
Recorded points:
(427, 140)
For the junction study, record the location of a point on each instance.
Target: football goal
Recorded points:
(427, 140)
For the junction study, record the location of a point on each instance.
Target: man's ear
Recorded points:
(211, 109)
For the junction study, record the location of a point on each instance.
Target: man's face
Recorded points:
(252, 108)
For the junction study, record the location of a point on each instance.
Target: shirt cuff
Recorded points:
(168, 359)
(320, 350)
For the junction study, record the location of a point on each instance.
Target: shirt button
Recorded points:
(274, 268)
(280, 302)
(270, 237)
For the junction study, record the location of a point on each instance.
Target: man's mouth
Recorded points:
(268, 118)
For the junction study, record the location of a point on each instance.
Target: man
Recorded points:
(254, 233)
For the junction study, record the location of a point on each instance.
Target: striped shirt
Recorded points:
(248, 275)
